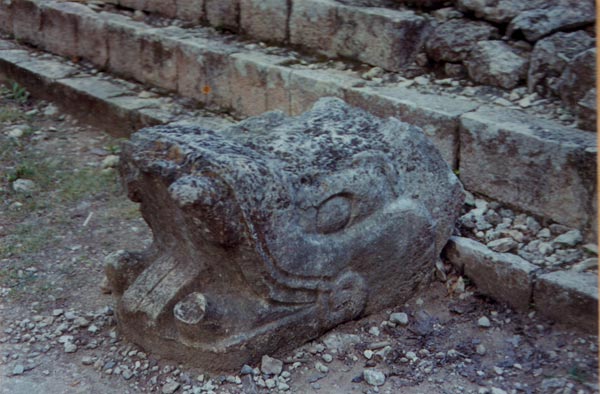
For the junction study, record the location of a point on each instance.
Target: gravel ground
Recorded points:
(58, 333)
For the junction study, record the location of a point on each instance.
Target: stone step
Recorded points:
(533, 164)
(564, 296)
(384, 37)
(117, 106)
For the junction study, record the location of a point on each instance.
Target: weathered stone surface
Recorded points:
(436, 115)
(568, 297)
(498, 11)
(496, 63)
(577, 87)
(536, 165)
(26, 22)
(6, 25)
(307, 86)
(551, 55)
(503, 276)
(259, 83)
(425, 3)
(264, 19)
(59, 27)
(285, 226)
(190, 10)
(223, 14)
(453, 40)
(203, 72)
(124, 39)
(392, 40)
(552, 16)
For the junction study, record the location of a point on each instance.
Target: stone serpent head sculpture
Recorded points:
(274, 230)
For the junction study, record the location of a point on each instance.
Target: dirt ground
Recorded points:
(58, 333)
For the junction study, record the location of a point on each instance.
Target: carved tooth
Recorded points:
(191, 309)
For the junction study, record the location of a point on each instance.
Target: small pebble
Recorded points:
(399, 318)
(484, 322)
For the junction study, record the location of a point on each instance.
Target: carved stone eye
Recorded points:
(334, 214)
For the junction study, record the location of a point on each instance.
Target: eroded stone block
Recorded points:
(390, 39)
(59, 27)
(274, 230)
(538, 166)
(264, 19)
(569, 297)
(223, 14)
(505, 277)
(27, 21)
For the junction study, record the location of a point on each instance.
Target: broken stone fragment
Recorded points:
(496, 63)
(577, 88)
(553, 16)
(453, 40)
(277, 229)
(551, 56)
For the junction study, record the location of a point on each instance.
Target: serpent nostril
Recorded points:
(191, 309)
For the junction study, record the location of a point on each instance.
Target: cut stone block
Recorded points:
(503, 276)
(307, 86)
(387, 38)
(496, 63)
(265, 20)
(6, 17)
(260, 85)
(272, 231)
(124, 39)
(223, 14)
(38, 75)
(537, 165)
(569, 297)
(59, 28)
(436, 115)
(158, 59)
(553, 16)
(92, 42)
(190, 10)
(204, 72)
(27, 22)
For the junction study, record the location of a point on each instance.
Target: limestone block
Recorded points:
(536, 165)
(124, 39)
(223, 14)
(503, 276)
(378, 36)
(452, 41)
(92, 40)
(272, 231)
(437, 116)
(569, 297)
(264, 20)
(27, 21)
(498, 11)
(553, 16)
(307, 86)
(59, 30)
(190, 10)
(158, 58)
(496, 63)
(576, 87)
(551, 56)
(204, 72)
(260, 84)
(6, 16)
